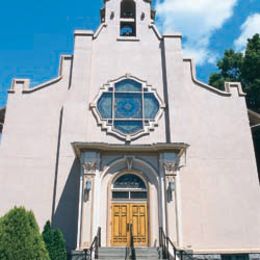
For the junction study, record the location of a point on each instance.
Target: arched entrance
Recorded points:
(129, 207)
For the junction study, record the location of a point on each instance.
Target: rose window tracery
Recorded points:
(128, 108)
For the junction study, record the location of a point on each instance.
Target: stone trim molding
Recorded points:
(157, 33)
(99, 29)
(81, 147)
(83, 33)
(23, 85)
(227, 85)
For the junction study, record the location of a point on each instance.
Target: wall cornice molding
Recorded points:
(178, 148)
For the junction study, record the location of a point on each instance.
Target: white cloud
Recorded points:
(196, 20)
(250, 27)
(200, 54)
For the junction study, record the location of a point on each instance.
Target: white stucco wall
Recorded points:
(219, 186)
(29, 145)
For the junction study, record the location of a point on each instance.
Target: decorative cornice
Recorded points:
(178, 148)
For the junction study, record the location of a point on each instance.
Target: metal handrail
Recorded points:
(96, 243)
(131, 246)
(165, 242)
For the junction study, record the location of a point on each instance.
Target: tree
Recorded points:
(251, 72)
(54, 242)
(20, 237)
(230, 69)
(236, 66)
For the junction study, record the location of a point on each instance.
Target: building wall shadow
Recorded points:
(66, 214)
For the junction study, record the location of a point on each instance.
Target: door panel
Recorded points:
(119, 227)
(122, 216)
(138, 219)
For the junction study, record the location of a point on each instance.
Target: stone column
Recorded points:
(89, 167)
(173, 228)
(162, 197)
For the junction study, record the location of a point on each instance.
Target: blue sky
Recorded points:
(35, 33)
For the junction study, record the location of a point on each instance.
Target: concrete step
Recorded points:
(109, 253)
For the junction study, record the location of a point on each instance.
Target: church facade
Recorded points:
(126, 135)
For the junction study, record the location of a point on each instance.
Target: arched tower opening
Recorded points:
(128, 18)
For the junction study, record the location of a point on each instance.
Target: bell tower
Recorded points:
(127, 17)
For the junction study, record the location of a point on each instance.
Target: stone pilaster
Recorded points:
(170, 163)
(87, 211)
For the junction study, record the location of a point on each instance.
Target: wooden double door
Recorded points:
(124, 215)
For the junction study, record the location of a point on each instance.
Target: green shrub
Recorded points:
(54, 242)
(20, 237)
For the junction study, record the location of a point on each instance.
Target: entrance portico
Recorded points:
(123, 185)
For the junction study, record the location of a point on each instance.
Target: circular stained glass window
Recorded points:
(128, 107)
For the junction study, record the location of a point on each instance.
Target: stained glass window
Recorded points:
(127, 106)
(127, 85)
(129, 187)
(105, 105)
(129, 181)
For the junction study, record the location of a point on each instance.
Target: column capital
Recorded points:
(170, 167)
(171, 163)
(89, 167)
(90, 162)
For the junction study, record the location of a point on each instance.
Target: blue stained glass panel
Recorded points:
(129, 181)
(104, 105)
(151, 106)
(128, 127)
(128, 105)
(128, 85)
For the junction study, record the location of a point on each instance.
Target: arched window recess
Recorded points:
(128, 18)
(129, 187)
